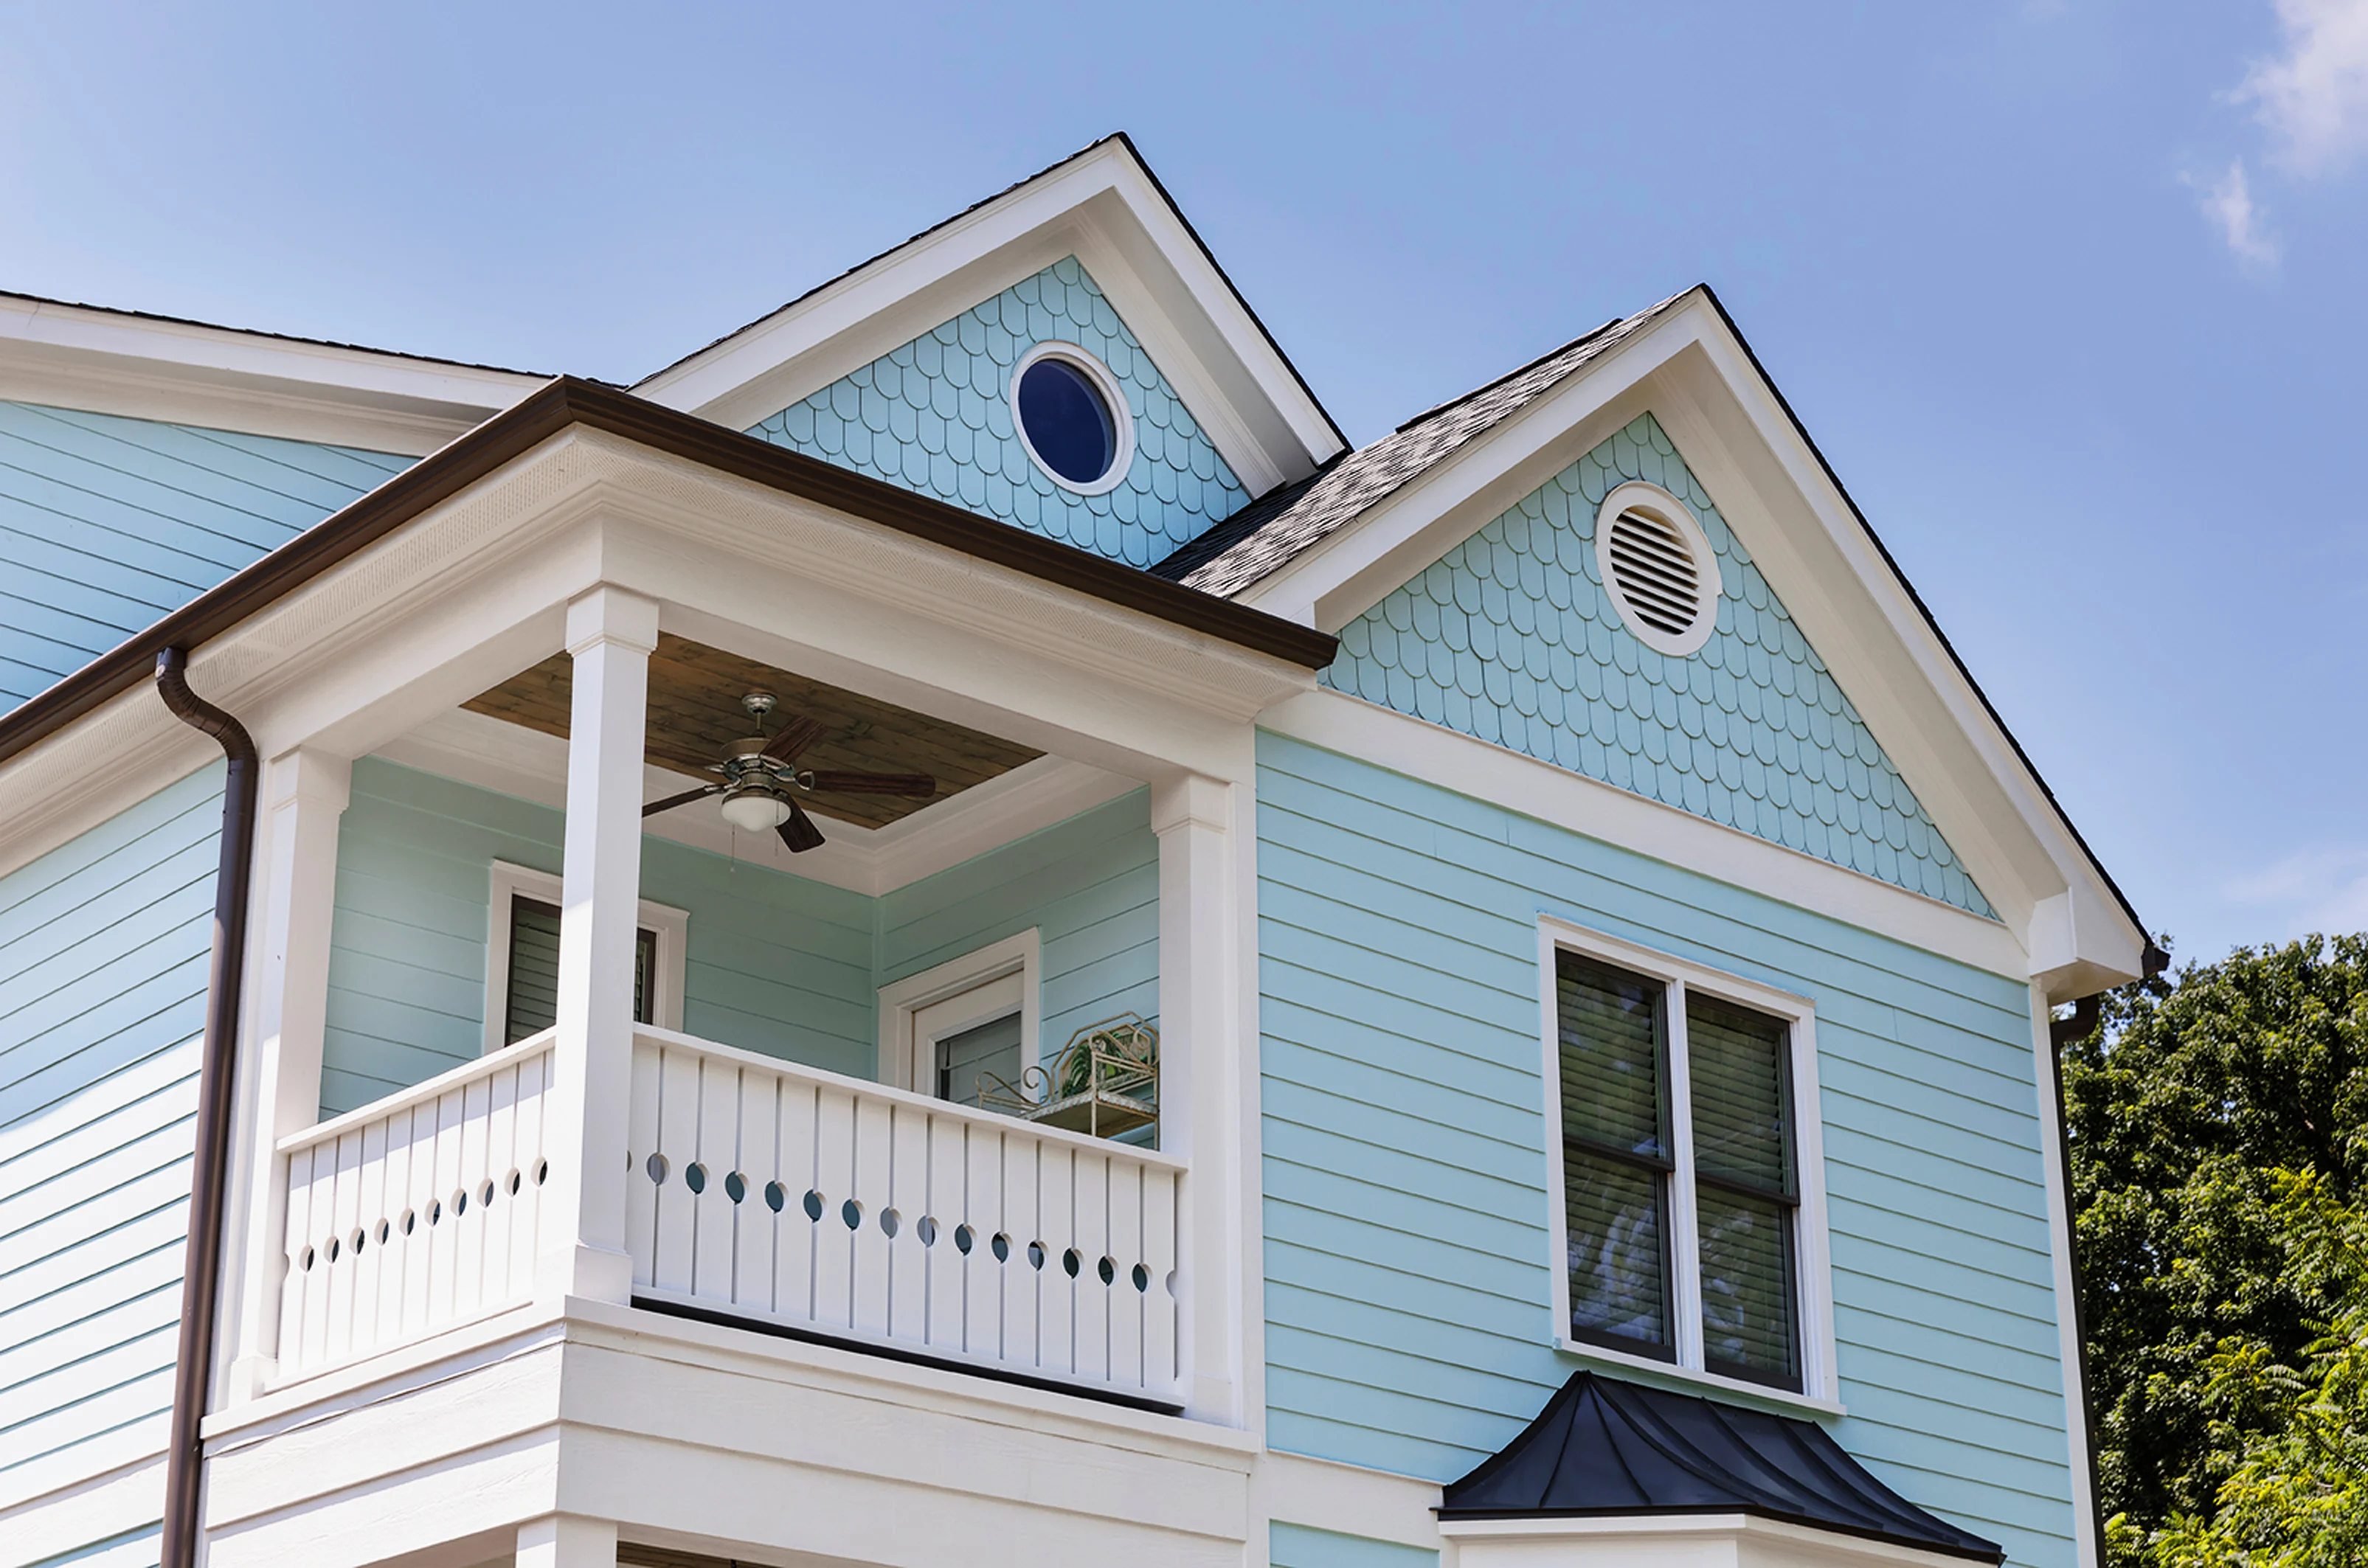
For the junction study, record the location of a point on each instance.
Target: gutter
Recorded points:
(569, 402)
(201, 1265)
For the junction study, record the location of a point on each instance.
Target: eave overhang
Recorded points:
(568, 403)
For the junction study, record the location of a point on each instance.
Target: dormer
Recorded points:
(1066, 357)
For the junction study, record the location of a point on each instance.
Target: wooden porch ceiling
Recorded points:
(695, 715)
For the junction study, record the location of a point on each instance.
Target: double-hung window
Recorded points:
(1682, 1211)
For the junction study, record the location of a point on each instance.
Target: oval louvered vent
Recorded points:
(1658, 567)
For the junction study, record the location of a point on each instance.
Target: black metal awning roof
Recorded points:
(1604, 1447)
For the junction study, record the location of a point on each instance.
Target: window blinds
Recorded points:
(532, 1004)
(1743, 1188)
(1615, 1154)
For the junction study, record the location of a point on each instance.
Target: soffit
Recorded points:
(695, 715)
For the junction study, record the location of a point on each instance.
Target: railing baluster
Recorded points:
(834, 1265)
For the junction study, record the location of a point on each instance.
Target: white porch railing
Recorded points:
(416, 1212)
(787, 1195)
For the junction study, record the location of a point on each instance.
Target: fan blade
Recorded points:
(685, 798)
(796, 735)
(876, 783)
(799, 832)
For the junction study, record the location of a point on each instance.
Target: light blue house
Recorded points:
(950, 933)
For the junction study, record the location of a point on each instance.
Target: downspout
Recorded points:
(2062, 1033)
(200, 1277)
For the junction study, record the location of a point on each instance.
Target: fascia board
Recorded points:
(468, 592)
(1916, 696)
(1691, 371)
(140, 367)
(1102, 206)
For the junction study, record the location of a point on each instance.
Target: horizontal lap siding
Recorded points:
(1299, 1546)
(104, 955)
(1090, 887)
(775, 963)
(1407, 1287)
(107, 524)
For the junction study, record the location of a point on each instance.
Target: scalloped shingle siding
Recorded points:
(1511, 637)
(935, 416)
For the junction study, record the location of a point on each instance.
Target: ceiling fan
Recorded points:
(761, 780)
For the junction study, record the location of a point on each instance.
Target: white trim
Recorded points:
(187, 372)
(671, 926)
(1813, 1305)
(1692, 374)
(1675, 1541)
(1113, 398)
(2087, 1550)
(1452, 760)
(1102, 207)
(906, 1060)
(1658, 504)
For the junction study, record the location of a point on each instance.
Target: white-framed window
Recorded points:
(522, 958)
(944, 1029)
(1687, 1163)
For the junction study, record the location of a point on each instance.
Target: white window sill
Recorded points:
(1688, 1380)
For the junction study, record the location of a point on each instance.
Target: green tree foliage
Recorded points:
(2219, 1126)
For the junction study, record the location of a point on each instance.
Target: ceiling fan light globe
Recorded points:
(756, 810)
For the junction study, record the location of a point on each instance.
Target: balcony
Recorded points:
(758, 1192)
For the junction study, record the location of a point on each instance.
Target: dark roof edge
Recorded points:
(163, 320)
(2146, 938)
(571, 400)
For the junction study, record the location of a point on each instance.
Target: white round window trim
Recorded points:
(1658, 567)
(1113, 398)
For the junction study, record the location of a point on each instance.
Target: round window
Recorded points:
(1071, 418)
(1659, 568)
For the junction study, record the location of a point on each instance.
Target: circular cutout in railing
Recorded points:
(485, 1191)
(1142, 1277)
(814, 1205)
(307, 1264)
(927, 1229)
(1108, 1269)
(408, 1220)
(459, 1202)
(1001, 1247)
(541, 1172)
(735, 1186)
(694, 1176)
(850, 1213)
(656, 1167)
(777, 1197)
(964, 1239)
(514, 1181)
(890, 1222)
(333, 1249)
(435, 1213)
(1036, 1254)
(1071, 1263)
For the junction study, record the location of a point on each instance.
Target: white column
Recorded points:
(610, 634)
(567, 1540)
(1200, 1076)
(304, 793)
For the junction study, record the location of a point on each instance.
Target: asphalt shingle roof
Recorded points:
(1265, 536)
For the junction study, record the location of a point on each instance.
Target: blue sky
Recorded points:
(2069, 292)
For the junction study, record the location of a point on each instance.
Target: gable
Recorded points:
(934, 416)
(107, 524)
(1511, 638)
